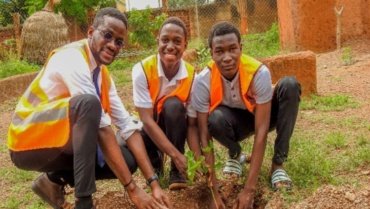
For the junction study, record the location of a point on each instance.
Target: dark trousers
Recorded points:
(231, 125)
(172, 121)
(75, 163)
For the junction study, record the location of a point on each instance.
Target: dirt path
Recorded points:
(333, 78)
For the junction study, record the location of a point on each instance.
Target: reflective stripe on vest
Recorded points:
(182, 91)
(40, 123)
(248, 66)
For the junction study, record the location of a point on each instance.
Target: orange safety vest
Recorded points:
(182, 91)
(39, 122)
(248, 66)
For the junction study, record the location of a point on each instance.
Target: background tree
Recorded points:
(144, 26)
(71, 10)
(185, 3)
(7, 7)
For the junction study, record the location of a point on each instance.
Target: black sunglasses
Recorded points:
(108, 37)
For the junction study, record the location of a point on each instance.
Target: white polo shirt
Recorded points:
(141, 95)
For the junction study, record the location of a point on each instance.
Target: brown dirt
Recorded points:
(332, 77)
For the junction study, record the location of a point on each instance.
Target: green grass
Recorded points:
(328, 103)
(336, 140)
(20, 194)
(262, 44)
(14, 67)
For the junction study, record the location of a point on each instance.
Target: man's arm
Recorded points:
(136, 145)
(262, 123)
(209, 158)
(160, 139)
(193, 137)
(116, 162)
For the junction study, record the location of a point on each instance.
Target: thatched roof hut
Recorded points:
(42, 32)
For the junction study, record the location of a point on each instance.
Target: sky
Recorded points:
(141, 4)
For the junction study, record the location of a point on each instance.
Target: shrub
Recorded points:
(144, 27)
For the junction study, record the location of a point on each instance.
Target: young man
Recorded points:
(234, 99)
(62, 123)
(162, 85)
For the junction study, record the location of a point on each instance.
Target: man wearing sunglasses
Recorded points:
(62, 123)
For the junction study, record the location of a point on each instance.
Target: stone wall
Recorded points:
(302, 65)
(311, 24)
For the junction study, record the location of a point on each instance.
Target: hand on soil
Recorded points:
(161, 197)
(142, 200)
(245, 201)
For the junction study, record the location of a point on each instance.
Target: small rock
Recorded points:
(365, 193)
(350, 196)
(365, 173)
(357, 201)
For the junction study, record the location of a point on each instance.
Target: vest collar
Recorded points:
(181, 74)
(92, 62)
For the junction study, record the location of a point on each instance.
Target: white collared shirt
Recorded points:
(141, 95)
(68, 73)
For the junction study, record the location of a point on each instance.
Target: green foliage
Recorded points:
(7, 7)
(263, 44)
(33, 6)
(193, 165)
(143, 27)
(204, 55)
(328, 103)
(120, 64)
(197, 165)
(184, 3)
(73, 9)
(347, 56)
(14, 67)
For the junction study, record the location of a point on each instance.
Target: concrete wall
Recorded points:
(311, 24)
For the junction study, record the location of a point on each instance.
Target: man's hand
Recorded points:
(141, 199)
(245, 200)
(161, 197)
(180, 162)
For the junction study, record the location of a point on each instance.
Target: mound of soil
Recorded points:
(333, 197)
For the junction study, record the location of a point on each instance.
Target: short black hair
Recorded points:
(176, 21)
(111, 12)
(222, 28)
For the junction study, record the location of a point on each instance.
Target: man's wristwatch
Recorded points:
(151, 179)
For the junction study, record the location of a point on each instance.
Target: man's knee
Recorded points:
(291, 86)
(216, 120)
(173, 107)
(86, 103)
